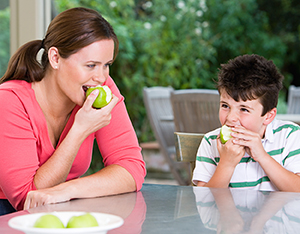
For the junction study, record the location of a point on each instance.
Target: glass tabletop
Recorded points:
(186, 209)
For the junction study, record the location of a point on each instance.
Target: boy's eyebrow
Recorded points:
(245, 106)
(242, 105)
(221, 101)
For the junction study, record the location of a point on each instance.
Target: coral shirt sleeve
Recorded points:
(118, 143)
(18, 154)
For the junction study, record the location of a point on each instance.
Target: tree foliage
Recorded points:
(4, 40)
(284, 21)
(181, 43)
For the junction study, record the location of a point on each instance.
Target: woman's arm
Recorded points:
(22, 132)
(110, 180)
(87, 120)
(124, 166)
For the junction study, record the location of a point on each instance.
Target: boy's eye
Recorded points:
(244, 110)
(224, 106)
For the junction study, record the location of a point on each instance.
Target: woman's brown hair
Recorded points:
(69, 32)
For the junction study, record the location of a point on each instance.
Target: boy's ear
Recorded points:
(270, 115)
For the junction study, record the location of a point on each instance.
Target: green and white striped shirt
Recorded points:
(282, 142)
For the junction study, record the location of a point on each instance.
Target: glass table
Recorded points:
(186, 209)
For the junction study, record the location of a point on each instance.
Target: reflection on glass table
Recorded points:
(171, 209)
(248, 211)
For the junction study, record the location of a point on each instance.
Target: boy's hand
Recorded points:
(250, 140)
(230, 153)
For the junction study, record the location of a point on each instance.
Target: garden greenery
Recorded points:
(181, 43)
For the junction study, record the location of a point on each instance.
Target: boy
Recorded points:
(263, 153)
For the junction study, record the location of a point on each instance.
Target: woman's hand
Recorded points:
(112, 179)
(41, 197)
(89, 119)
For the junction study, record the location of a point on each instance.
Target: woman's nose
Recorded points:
(100, 77)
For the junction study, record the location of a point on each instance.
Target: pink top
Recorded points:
(25, 143)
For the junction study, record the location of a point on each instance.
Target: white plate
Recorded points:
(25, 223)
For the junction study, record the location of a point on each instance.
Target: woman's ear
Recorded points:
(53, 57)
(270, 115)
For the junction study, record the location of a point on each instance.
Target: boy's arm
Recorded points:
(282, 178)
(230, 155)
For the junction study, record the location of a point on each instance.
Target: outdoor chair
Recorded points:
(187, 145)
(158, 106)
(294, 100)
(195, 110)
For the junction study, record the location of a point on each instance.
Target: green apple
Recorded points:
(82, 221)
(103, 98)
(48, 221)
(225, 134)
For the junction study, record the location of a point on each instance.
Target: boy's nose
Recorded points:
(232, 118)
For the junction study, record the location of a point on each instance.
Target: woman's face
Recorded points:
(87, 68)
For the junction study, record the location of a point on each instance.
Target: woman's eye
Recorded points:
(91, 65)
(108, 65)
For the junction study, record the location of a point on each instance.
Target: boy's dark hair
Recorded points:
(249, 77)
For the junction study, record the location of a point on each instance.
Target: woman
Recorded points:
(48, 126)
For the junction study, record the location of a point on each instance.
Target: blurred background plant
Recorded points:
(181, 43)
(4, 38)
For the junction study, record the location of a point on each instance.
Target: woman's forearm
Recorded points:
(56, 169)
(112, 179)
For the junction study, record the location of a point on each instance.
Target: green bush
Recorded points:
(161, 44)
(4, 40)
(180, 43)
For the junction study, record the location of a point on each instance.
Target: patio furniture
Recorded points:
(172, 209)
(158, 105)
(187, 145)
(195, 110)
(294, 100)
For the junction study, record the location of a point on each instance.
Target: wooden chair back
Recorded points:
(294, 100)
(186, 145)
(195, 110)
(158, 105)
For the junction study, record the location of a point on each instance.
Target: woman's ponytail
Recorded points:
(69, 32)
(23, 65)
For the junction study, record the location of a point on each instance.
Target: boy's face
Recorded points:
(246, 114)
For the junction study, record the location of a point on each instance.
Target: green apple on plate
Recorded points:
(225, 134)
(104, 97)
(82, 221)
(48, 221)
